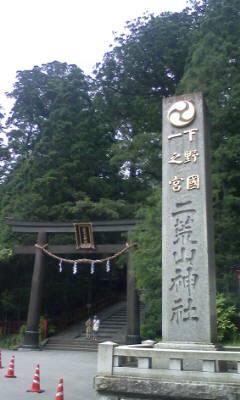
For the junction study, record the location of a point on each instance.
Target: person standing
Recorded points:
(88, 326)
(95, 327)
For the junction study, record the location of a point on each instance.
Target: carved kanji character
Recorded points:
(193, 182)
(175, 182)
(191, 133)
(179, 313)
(185, 281)
(190, 311)
(190, 155)
(174, 135)
(174, 159)
(183, 229)
(183, 255)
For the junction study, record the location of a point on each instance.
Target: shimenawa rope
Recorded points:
(84, 260)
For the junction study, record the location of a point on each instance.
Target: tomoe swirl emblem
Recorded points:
(181, 113)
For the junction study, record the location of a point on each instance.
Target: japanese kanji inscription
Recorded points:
(188, 256)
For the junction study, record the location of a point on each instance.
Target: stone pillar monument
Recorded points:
(188, 293)
(187, 364)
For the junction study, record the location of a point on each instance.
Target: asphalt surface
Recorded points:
(76, 368)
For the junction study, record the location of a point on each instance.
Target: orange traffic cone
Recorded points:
(59, 394)
(36, 382)
(1, 366)
(10, 371)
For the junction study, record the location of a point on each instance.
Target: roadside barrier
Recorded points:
(10, 371)
(36, 382)
(59, 394)
(1, 366)
(35, 388)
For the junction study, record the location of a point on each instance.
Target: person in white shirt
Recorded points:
(95, 326)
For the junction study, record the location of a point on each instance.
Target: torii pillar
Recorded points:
(31, 338)
(133, 306)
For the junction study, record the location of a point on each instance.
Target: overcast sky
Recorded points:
(78, 32)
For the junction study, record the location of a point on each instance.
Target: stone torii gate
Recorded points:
(43, 229)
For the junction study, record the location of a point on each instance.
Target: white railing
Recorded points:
(147, 361)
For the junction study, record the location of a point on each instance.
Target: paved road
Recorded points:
(76, 368)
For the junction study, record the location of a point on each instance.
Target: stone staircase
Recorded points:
(113, 325)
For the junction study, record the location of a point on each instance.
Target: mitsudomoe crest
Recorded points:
(181, 113)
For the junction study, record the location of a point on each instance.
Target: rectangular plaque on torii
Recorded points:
(188, 268)
(84, 235)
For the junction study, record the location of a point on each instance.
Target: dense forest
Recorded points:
(89, 147)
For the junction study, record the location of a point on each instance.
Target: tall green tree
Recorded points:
(60, 149)
(4, 151)
(131, 81)
(213, 68)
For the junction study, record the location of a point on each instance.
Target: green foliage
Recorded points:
(147, 263)
(60, 150)
(213, 68)
(12, 341)
(5, 254)
(227, 316)
(7, 301)
(151, 324)
(130, 82)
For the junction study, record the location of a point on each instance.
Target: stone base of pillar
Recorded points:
(190, 364)
(133, 339)
(173, 387)
(188, 346)
(31, 340)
